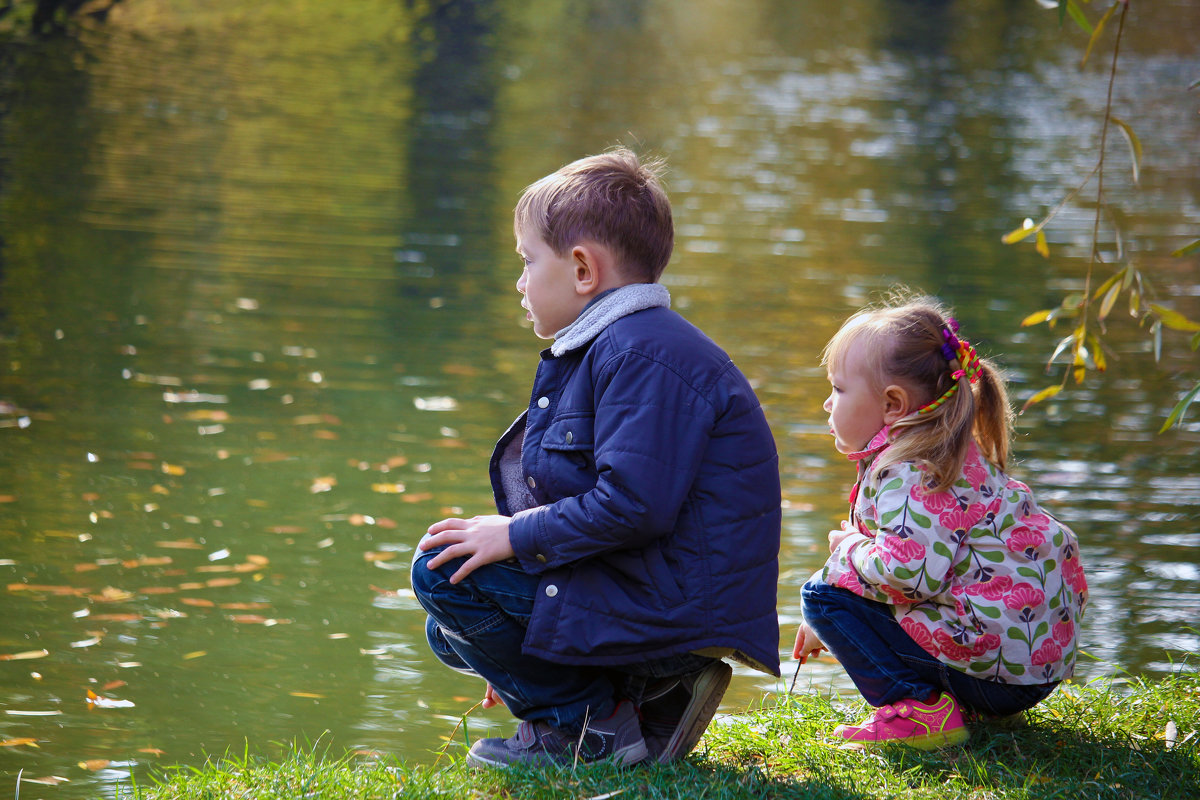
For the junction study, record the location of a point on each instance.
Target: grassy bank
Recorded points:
(1119, 739)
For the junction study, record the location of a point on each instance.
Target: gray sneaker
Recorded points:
(619, 737)
(676, 711)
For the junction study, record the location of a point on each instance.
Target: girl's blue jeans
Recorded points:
(887, 665)
(477, 627)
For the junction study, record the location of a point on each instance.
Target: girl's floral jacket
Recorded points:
(979, 576)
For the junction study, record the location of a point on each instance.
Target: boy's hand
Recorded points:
(807, 643)
(480, 540)
(838, 536)
(490, 698)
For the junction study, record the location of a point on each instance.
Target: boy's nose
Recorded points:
(828, 404)
(521, 281)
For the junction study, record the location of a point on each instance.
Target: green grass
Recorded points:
(1106, 739)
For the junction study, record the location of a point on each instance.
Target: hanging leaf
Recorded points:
(1044, 394)
(1036, 317)
(1097, 352)
(1135, 144)
(1062, 345)
(1042, 247)
(1109, 301)
(1027, 227)
(1077, 14)
(1156, 331)
(1180, 408)
(1174, 320)
(1095, 31)
(1187, 249)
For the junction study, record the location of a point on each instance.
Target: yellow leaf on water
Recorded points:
(22, 742)
(25, 655)
(94, 764)
(311, 695)
(388, 488)
(373, 556)
(173, 469)
(195, 654)
(48, 780)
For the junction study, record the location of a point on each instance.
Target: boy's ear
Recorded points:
(897, 404)
(592, 267)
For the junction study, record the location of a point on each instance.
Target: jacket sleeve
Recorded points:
(651, 431)
(902, 554)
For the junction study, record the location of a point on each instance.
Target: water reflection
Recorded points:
(259, 326)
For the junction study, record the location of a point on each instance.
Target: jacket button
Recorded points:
(570, 437)
(551, 590)
(541, 558)
(543, 402)
(532, 483)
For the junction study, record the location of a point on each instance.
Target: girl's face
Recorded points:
(855, 406)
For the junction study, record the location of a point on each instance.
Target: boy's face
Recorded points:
(548, 285)
(854, 405)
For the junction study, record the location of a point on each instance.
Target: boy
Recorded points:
(637, 539)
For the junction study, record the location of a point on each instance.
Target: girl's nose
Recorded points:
(828, 404)
(522, 280)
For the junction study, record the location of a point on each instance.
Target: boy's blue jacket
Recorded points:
(656, 479)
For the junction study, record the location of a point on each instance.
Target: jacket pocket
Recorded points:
(572, 439)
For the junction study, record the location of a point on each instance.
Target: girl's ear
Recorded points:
(897, 404)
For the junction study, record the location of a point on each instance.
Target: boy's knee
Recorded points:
(425, 580)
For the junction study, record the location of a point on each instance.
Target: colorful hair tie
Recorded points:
(968, 360)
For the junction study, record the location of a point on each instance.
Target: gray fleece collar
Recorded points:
(608, 309)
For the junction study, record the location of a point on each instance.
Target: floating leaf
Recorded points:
(27, 655)
(48, 780)
(197, 602)
(173, 469)
(375, 556)
(22, 742)
(388, 488)
(324, 484)
(152, 751)
(99, 701)
(310, 695)
(94, 764)
(195, 654)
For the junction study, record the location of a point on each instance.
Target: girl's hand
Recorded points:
(838, 536)
(807, 643)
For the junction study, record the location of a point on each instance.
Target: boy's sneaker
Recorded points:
(926, 726)
(676, 711)
(619, 737)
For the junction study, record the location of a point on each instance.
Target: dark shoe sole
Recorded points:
(707, 692)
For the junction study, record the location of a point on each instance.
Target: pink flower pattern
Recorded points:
(1026, 541)
(963, 600)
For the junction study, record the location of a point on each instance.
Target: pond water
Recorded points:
(258, 324)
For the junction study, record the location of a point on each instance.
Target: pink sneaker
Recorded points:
(922, 725)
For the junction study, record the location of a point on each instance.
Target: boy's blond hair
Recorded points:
(612, 199)
(903, 341)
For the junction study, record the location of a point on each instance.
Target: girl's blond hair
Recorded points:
(902, 344)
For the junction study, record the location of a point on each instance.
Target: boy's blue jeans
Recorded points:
(887, 665)
(477, 626)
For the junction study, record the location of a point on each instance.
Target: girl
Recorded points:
(948, 589)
